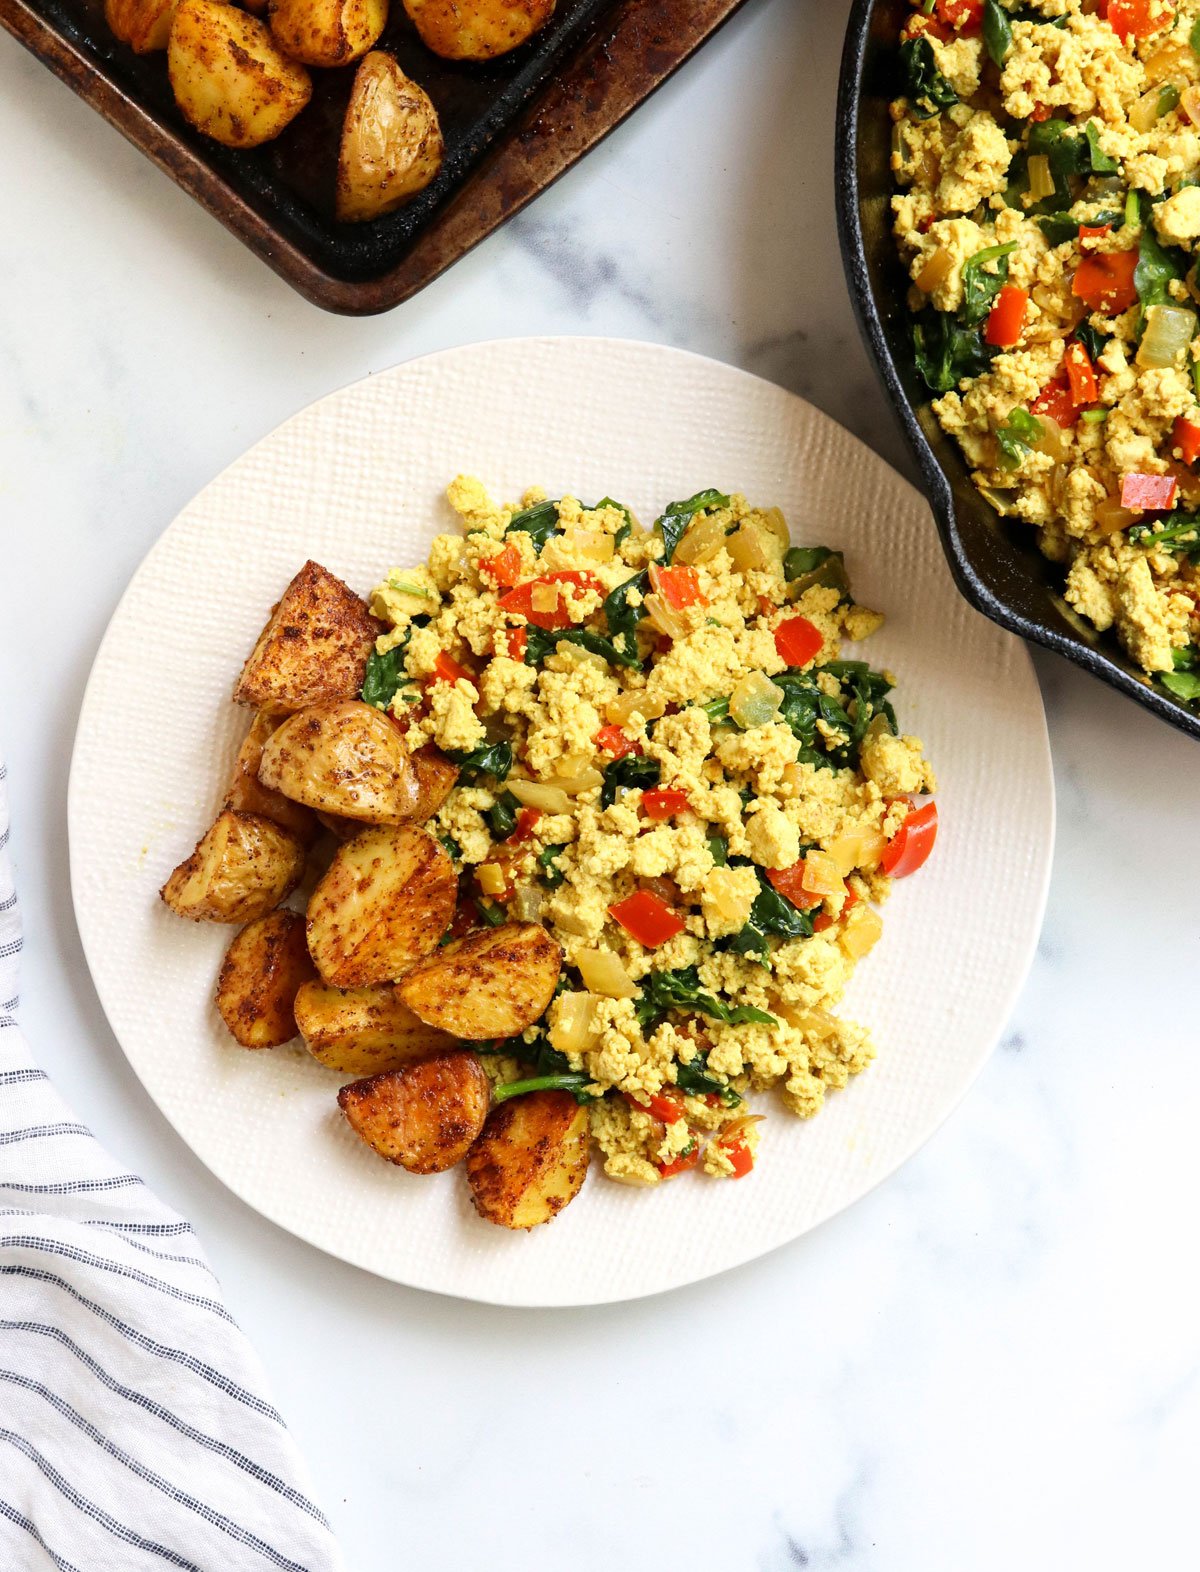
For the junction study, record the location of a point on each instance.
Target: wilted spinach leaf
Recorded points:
(981, 287)
(494, 759)
(926, 89)
(632, 770)
(539, 521)
(945, 351)
(384, 675)
(676, 517)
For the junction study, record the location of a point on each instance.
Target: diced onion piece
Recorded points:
(1189, 102)
(1171, 59)
(582, 657)
(815, 1023)
(544, 597)
(860, 847)
(821, 874)
(533, 794)
(663, 618)
(725, 892)
(755, 546)
(936, 270)
(756, 700)
(573, 1028)
(1052, 441)
(701, 540)
(583, 780)
(1111, 518)
(621, 710)
(605, 974)
(491, 878)
(526, 905)
(594, 545)
(775, 524)
(861, 931)
(1144, 114)
(1041, 181)
(1169, 331)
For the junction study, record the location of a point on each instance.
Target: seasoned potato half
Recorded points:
(391, 144)
(435, 781)
(387, 899)
(423, 1117)
(230, 79)
(492, 983)
(263, 970)
(531, 1159)
(247, 794)
(361, 1031)
(243, 867)
(314, 648)
(477, 29)
(145, 25)
(346, 759)
(327, 32)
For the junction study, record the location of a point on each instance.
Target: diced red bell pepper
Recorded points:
(679, 587)
(1185, 436)
(445, 669)
(1039, 112)
(1006, 320)
(660, 1106)
(1105, 282)
(611, 739)
(909, 848)
(790, 884)
(1055, 401)
(1081, 375)
(917, 25)
(1094, 231)
(1138, 18)
(518, 638)
(739, 1154)
(526, 819)
(504, 569)
(646, 918)
(798, 641)
(822, 921)
(519, 601)
(964, 16)
(664, 802)
(682, 1163)
(1150, 493)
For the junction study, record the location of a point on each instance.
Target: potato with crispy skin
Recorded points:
(230, 78)
(345, 758)
(263, 970)
(477, 29)
(361, 1031)
(327, 32)
(391, 146)
(314, 648)
(247, 794)
(531, 1159)
(386, 900)
(436, 776)
(145, 25)
(423, 1117)
(243, 867)
(492, 983)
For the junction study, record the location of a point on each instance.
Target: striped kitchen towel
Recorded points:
(134, 1432)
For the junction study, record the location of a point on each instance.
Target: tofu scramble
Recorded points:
(665, 760)
(1048, 160)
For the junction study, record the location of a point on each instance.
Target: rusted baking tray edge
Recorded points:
(638, 45)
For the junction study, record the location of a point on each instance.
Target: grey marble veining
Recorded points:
(994, 1360)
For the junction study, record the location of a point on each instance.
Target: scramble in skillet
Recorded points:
(1049, 158)
(614, 817)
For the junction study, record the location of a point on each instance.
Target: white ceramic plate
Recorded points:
(357, 482)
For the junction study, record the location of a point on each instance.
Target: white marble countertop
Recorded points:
(992, 1361)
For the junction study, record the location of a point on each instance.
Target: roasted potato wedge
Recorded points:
(327, 32)
(435, 781)
(531, 1159)
(145, 25)
(477, 29)
(314, 648)
(423, 1117)
(346, 759)
(361, 1031)
(246, 793)
(386, 900)
(242, 868)
(263, 970)
(391, 145)
(492, 983)
(230, 78)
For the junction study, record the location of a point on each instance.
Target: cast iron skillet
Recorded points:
(996, 565)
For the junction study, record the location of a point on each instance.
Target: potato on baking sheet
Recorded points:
(477, 29)
(314, 648)
(247, 794)
(391, 145)
(230, 78)
(531, 1159)
(145, 25)
(345, 758)
(263, 970)
(241, 868)
(327, 32)
(423, 1117)
(387, 899)
(361, 1031)
(492, 983)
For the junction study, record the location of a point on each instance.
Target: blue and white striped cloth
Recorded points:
(134, 1433)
